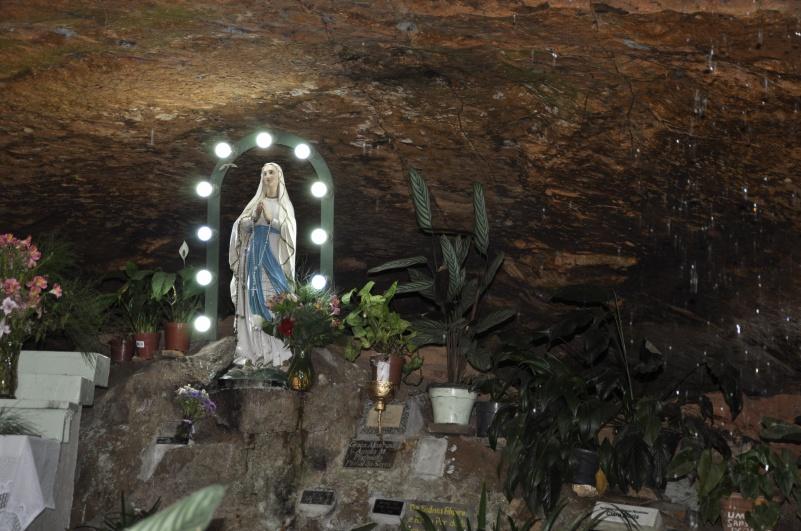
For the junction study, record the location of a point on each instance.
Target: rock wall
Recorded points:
(265, 445)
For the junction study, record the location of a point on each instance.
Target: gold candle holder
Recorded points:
(381, 388)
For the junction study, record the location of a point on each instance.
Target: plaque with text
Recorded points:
(317, 497)
(391, 507)
(443, 512)
(370, 454)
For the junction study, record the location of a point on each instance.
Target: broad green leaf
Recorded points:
(421, 200)
(494, 319)
(492, 269)
(468, 297)
(683, 463)
(161, 283)
(481, 228)
(778, 431)
(710, 473)
(415, 286)
(454, 269)
(398, 264)
(188, 514)
(651, 359)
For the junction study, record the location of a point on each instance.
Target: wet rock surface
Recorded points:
(620, 143)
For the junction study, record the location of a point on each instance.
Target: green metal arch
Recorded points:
(280, 138)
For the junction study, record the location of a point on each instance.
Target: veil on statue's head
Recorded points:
(286, 220)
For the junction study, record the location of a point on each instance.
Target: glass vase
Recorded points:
(9, 358)
(301, 372)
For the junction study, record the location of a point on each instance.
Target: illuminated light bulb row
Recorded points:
(223, 150)
(318, 236)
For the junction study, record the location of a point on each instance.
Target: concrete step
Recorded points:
(94, 367)
(56, 387)
(50, 418)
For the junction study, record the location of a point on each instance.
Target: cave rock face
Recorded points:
(648, 145)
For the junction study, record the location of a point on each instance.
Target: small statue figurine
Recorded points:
(262, 257)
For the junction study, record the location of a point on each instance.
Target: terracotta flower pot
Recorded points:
(176, 337)
(121, 349)
(147, 343)
(732, 513)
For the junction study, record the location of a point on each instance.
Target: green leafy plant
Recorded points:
(375, 326)
(577, 377)
(453, 283)
(191, 513)
(136, 299)
(178, 293)
(767, 478)
(11, 423)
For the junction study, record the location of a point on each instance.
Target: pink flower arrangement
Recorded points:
(23, 288)
(304, 317)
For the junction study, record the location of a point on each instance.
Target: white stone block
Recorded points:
(50, 418)
(429, 457)
(55, 387)
(93, 367)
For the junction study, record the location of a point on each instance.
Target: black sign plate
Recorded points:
(391, 507)
(317, 497)
(370, 454)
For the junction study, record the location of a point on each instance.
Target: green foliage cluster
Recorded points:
(452, 282)
(376, 326)
(759, 474)
(577, 377)
(11, 423)
(149, 296)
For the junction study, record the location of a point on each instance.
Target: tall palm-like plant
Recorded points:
(451, 284)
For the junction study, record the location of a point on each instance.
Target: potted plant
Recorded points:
(456, 289)
(180, 295)
(141, 310)
(305, 318)
(376, 327)
(744, 491)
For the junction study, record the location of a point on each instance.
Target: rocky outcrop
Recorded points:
(265, 445)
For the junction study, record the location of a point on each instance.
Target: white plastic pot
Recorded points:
(452, 405)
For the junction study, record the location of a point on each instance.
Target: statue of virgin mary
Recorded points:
(262, 258)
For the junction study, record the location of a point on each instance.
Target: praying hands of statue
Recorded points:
(261, 211)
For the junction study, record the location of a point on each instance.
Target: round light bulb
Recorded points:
(223, 150)
(204, 188)
(202, 323)
(204, 233)
(264, 140)
(203, 277)
(302, 151)
(319, 189)
(319, 236)
(318, 282)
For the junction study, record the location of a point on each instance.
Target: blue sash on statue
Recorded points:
(260, 256)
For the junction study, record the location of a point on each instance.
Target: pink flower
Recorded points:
(9, 305)
(7, 239)
(34, 254)
(56, 291)
(11, 286)
(38, 282)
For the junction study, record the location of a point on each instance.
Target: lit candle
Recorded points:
(382, 371)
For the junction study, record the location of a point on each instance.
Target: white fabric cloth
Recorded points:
(28, 468)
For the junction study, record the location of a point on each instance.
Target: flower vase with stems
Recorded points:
(195, 404)
(25, 302)
(305, 318)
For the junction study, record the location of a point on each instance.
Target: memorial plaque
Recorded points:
(387, 511)
(616, 517)
(394, 421)
(317, 497)
(438, 512)
(370, 454)
(173, 432)
(317, 502)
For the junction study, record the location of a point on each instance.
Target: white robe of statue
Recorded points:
(270, 217)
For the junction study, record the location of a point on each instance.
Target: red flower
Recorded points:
(285, 327)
